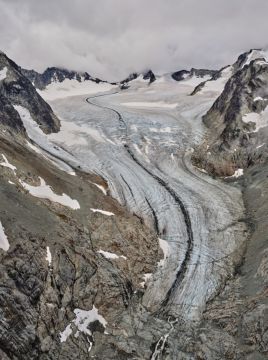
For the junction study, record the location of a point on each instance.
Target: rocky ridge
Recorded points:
(186, 74)
(61, 259)
(55, 74)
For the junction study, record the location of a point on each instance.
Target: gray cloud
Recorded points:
(111, 38)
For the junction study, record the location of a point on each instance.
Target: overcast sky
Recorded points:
(111, 38)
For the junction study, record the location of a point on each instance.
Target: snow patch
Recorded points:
(238, 173)
(44, 191)
(108, 213)
(146, 277)
(4, 244)
(102, 188)
(49, 256)
(259, 98)
(110, 255)
(218, 84)
(7, 164)
(261, 62)
(30, 125)
(66, 88)
(255, 54)
(66, 333)
(81, 323)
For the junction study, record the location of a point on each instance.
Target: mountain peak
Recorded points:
(149, 75)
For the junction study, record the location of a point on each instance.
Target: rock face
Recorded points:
(236, 116)
(9, 116)
(16, 89)
(184, 74)
(149, 75)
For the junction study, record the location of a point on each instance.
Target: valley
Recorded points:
(130, 214)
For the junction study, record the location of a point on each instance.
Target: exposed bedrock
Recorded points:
(237, 132)
(16, 89)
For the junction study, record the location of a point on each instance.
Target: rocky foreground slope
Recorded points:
(98, 217)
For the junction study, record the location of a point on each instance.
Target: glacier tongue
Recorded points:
(148, 169)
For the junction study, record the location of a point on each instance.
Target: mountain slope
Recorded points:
(18, 90)
(238, 119)
(65, 244)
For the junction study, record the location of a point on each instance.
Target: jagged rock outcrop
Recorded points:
(16, 89)
(149, 75)
(215, 76)
(184, 74)
(131, 77)
(233, 138)
(243, 59)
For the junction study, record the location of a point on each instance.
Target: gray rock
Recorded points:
(16, 89)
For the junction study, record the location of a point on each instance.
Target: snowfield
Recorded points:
(217, 86)
(57, 90)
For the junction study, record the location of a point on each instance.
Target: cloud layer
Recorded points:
(111, 38)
